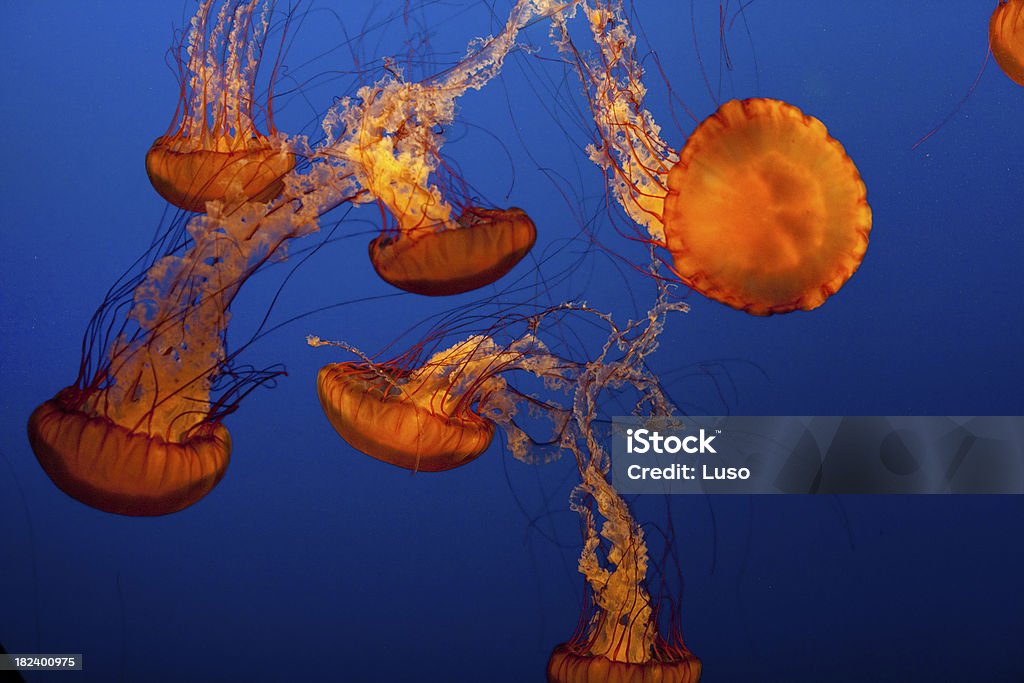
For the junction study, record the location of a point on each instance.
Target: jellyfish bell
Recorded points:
(227, 168)
(1006, 38)
(441, 413)
(482, 247)
(570, 664)
(116, 469)
(421, 419)
(214, 150)
(436, 417)
(765, 211)
(397, 420)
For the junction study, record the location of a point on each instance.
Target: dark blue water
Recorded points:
(313, 562)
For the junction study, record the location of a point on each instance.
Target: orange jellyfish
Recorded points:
(618, 637)
(140, 432)
(124, 470)
(213, 150)
(765, 211)
(435, 417)
(400, 420)
(762, 210)
(1006, 38)
(392, 142)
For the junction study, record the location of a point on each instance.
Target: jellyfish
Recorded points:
(437, 416)
(392, 142)
(765, 211)
(761, 210)
(213, 150)
(401, 419)
(1006, 38)
(141, 432)
(619, 638)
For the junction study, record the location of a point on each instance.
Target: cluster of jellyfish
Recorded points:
(760, 209)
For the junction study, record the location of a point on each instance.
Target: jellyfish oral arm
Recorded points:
(159, 380)
(624, 630)
(390, 145)
(629, 144)
(389, 138)
(224, 87)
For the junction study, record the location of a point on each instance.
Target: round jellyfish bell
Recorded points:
(1006, 38)
(213, 150)
(765, 212)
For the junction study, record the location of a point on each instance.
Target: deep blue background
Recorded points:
(310, 556)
